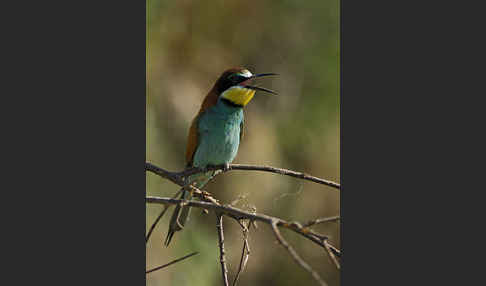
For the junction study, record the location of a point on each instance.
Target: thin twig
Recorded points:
(222, 258)
(152, 227)
(177, 177)
(284, 172)
(245, 253)
(321, 220)
(331, 255)
(295, 255)
(335, 251)
(172, 262)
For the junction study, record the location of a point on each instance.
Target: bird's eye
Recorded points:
(236, 78)
(233, 77)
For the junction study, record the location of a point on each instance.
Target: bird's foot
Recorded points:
(223, 167)
(226, 167)
(210, 167)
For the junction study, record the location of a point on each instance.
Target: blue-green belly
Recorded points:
(219, 135)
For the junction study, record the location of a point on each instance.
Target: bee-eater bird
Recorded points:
(215, 133)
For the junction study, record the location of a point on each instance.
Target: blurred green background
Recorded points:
(189, 44)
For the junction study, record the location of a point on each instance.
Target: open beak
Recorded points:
(261, 88)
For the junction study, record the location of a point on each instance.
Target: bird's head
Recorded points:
(233, 86)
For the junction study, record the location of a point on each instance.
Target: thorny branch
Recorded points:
(222, 258)
(208, 202)
(238, 214)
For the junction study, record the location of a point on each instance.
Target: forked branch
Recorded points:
(294, 254)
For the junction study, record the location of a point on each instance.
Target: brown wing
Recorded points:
(192, 141)
(241, 130)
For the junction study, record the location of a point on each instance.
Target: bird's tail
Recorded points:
(181, 214)
(179, 217)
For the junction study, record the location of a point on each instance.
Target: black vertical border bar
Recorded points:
(73, 207)
(404, 83)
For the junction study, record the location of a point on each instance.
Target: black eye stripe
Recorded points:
(236, 78)
(229, 81)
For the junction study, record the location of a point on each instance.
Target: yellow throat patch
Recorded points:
(238, 95)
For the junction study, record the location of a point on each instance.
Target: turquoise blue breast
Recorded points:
(219, 135)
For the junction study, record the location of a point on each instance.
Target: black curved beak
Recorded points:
(262, 74)
(261, 88)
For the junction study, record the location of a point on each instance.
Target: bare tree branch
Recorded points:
(238, 214)
(177, 177)
(170, 263)
(321, 220)
(222, 258)
(296, 256)
(241, 214)
(209, 203)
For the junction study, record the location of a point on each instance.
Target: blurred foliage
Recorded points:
(189, 44)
